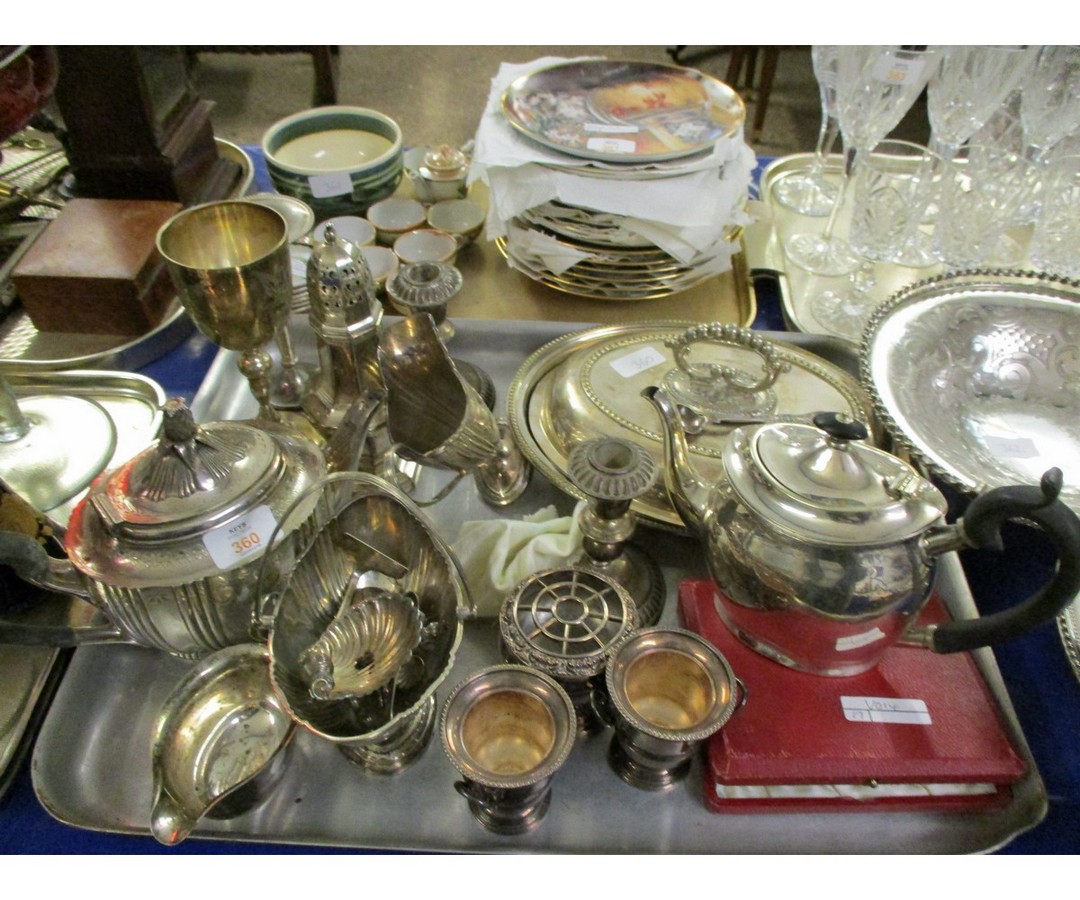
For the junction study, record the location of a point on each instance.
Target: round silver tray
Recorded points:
(578, 387)
(976, 375)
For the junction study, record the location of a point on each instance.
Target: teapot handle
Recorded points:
(981, 525)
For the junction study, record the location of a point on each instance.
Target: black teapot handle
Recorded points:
(981, 525)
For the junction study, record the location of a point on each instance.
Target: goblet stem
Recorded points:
(845, 179)
(825, 254)
(809, 192)
(290, 387)
(830, 131)
(256, 366)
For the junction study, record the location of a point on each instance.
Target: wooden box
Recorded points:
(95, 269)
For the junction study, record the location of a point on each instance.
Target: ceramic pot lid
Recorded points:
(824, 483)
(588, 384)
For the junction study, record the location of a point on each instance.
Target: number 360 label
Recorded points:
(236, 541)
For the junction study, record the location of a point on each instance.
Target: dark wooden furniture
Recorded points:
(134, 127)
(324, 60)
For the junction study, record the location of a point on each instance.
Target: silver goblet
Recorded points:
(229, 261)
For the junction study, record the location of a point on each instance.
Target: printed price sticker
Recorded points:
(893, 710)
(898, 70)
(332, 184)
(236, 541)
(610, 145)
(639, 361)
(602, 128)
(1011, 447)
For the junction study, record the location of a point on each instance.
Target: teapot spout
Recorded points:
(688, 493)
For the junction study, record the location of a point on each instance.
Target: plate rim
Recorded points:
(515, 86)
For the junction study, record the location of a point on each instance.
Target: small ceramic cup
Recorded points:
(383, 263)
(461, 218)
(426, 245)
(395, 216)
(354, 229)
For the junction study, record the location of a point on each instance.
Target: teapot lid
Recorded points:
(191, 480)
(824, 483)
(445, 162)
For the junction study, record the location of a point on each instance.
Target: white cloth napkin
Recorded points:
(498, 554)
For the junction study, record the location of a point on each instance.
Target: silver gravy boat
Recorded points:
(824, 547)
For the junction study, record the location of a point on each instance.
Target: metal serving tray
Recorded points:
(91, 765)
(28, 673)
(778, 221)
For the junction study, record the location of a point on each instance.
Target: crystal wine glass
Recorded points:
(967, 87)
(875, 88)
(969, 84)
(1050, 98)
(810, 193)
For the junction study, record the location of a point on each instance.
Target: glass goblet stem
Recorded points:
(824, 253)
(850, 154)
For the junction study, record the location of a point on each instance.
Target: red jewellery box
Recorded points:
(921, 730)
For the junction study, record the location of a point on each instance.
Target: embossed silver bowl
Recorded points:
(977, 375)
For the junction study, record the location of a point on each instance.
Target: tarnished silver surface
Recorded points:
(1069, 629)
(435, 417)
(566, 622)
(344, 316)
(825, 547)
(322, 801)
(25, 349)
(507, 730)
(230, 264)
(370, 640)
(220, 745)
(613, 473)
(133, 403)
(587, 384)
(669, 690)
(169, 543)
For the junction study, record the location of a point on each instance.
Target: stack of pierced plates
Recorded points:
(628, 125)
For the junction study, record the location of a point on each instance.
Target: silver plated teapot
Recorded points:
(824, 547)
(169, 544)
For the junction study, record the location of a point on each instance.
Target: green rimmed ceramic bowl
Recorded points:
(337, 159)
